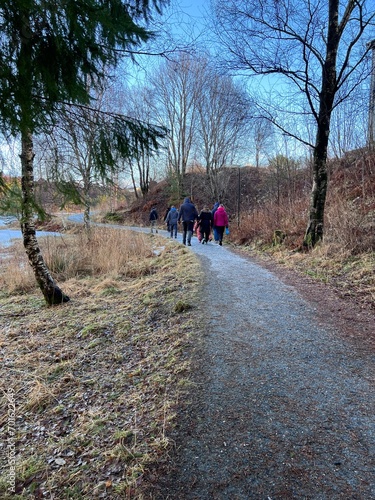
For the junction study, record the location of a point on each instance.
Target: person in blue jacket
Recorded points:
(171, 220)
(187, 214)
(216, 234)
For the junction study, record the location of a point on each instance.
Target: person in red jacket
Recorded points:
(221, 221)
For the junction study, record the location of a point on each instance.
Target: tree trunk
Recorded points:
(314, 231)
(86, 203)
(52, 293)
(86, 216)
(133, 180)
(212, 181)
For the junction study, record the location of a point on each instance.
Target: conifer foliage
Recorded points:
(52, 54)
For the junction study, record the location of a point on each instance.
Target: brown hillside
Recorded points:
(261, 200)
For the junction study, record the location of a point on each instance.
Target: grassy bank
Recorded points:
(351, 276)
(95, 382)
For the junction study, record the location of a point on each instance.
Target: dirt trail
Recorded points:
(284, 402)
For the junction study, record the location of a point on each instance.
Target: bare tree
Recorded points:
(349, 124)
(74, 165)
(207, 116)
(318, 48)
(176, 90)
(223, 125)
(262, 133)
(85, 151)
(140, 104)
(283, 177)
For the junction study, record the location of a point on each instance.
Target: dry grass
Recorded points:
(351, 224)
(346, 258)
(258, 227)
(98, 380)
(16, 275)
(107, 253)
(350, 275)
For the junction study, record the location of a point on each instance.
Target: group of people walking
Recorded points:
(215, 220)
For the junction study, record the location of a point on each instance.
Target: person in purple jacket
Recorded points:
(221, 222)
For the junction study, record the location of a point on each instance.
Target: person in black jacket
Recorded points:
(187, 214)
(205, 219)
(153, 218)
(165, 218)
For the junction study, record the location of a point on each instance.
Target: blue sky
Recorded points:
(187, 15)
(191, 7)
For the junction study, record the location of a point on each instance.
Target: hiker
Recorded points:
(205, 224)
(187, 214)
(165, 217)
(171, 220)
(221, 222)
(216, 206)
(153, 218)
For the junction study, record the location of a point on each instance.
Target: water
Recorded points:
(6, 219)
(8, 235)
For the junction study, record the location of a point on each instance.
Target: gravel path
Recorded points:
(284, 404)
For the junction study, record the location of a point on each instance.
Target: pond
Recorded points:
(7, 235)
